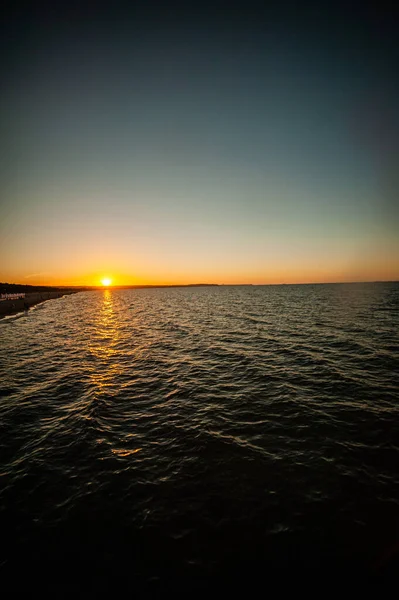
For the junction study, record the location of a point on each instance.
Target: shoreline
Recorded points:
(11, 307)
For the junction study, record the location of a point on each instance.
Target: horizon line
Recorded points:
(169, 285)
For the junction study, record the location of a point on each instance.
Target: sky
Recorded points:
(230, 143)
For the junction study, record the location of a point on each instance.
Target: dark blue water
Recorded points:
(178, 438)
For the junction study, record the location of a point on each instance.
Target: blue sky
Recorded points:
(236, 151)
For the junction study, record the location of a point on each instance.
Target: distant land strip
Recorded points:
(14, 288)
(35, 294)
(13, 306)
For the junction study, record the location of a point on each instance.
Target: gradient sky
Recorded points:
(171, 145)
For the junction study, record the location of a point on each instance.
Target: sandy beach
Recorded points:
(9, 307)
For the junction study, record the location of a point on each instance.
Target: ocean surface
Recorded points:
(178, 439)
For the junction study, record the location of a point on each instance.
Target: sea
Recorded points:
(201, 440)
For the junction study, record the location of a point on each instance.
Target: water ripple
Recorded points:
(175, 427)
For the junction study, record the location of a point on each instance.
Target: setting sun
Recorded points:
(106, 281)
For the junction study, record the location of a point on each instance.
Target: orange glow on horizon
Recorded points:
(188, 270)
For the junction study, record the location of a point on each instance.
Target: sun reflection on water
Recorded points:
(104, 345)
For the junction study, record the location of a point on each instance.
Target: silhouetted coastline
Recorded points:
(13, 306)
(36, 294)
